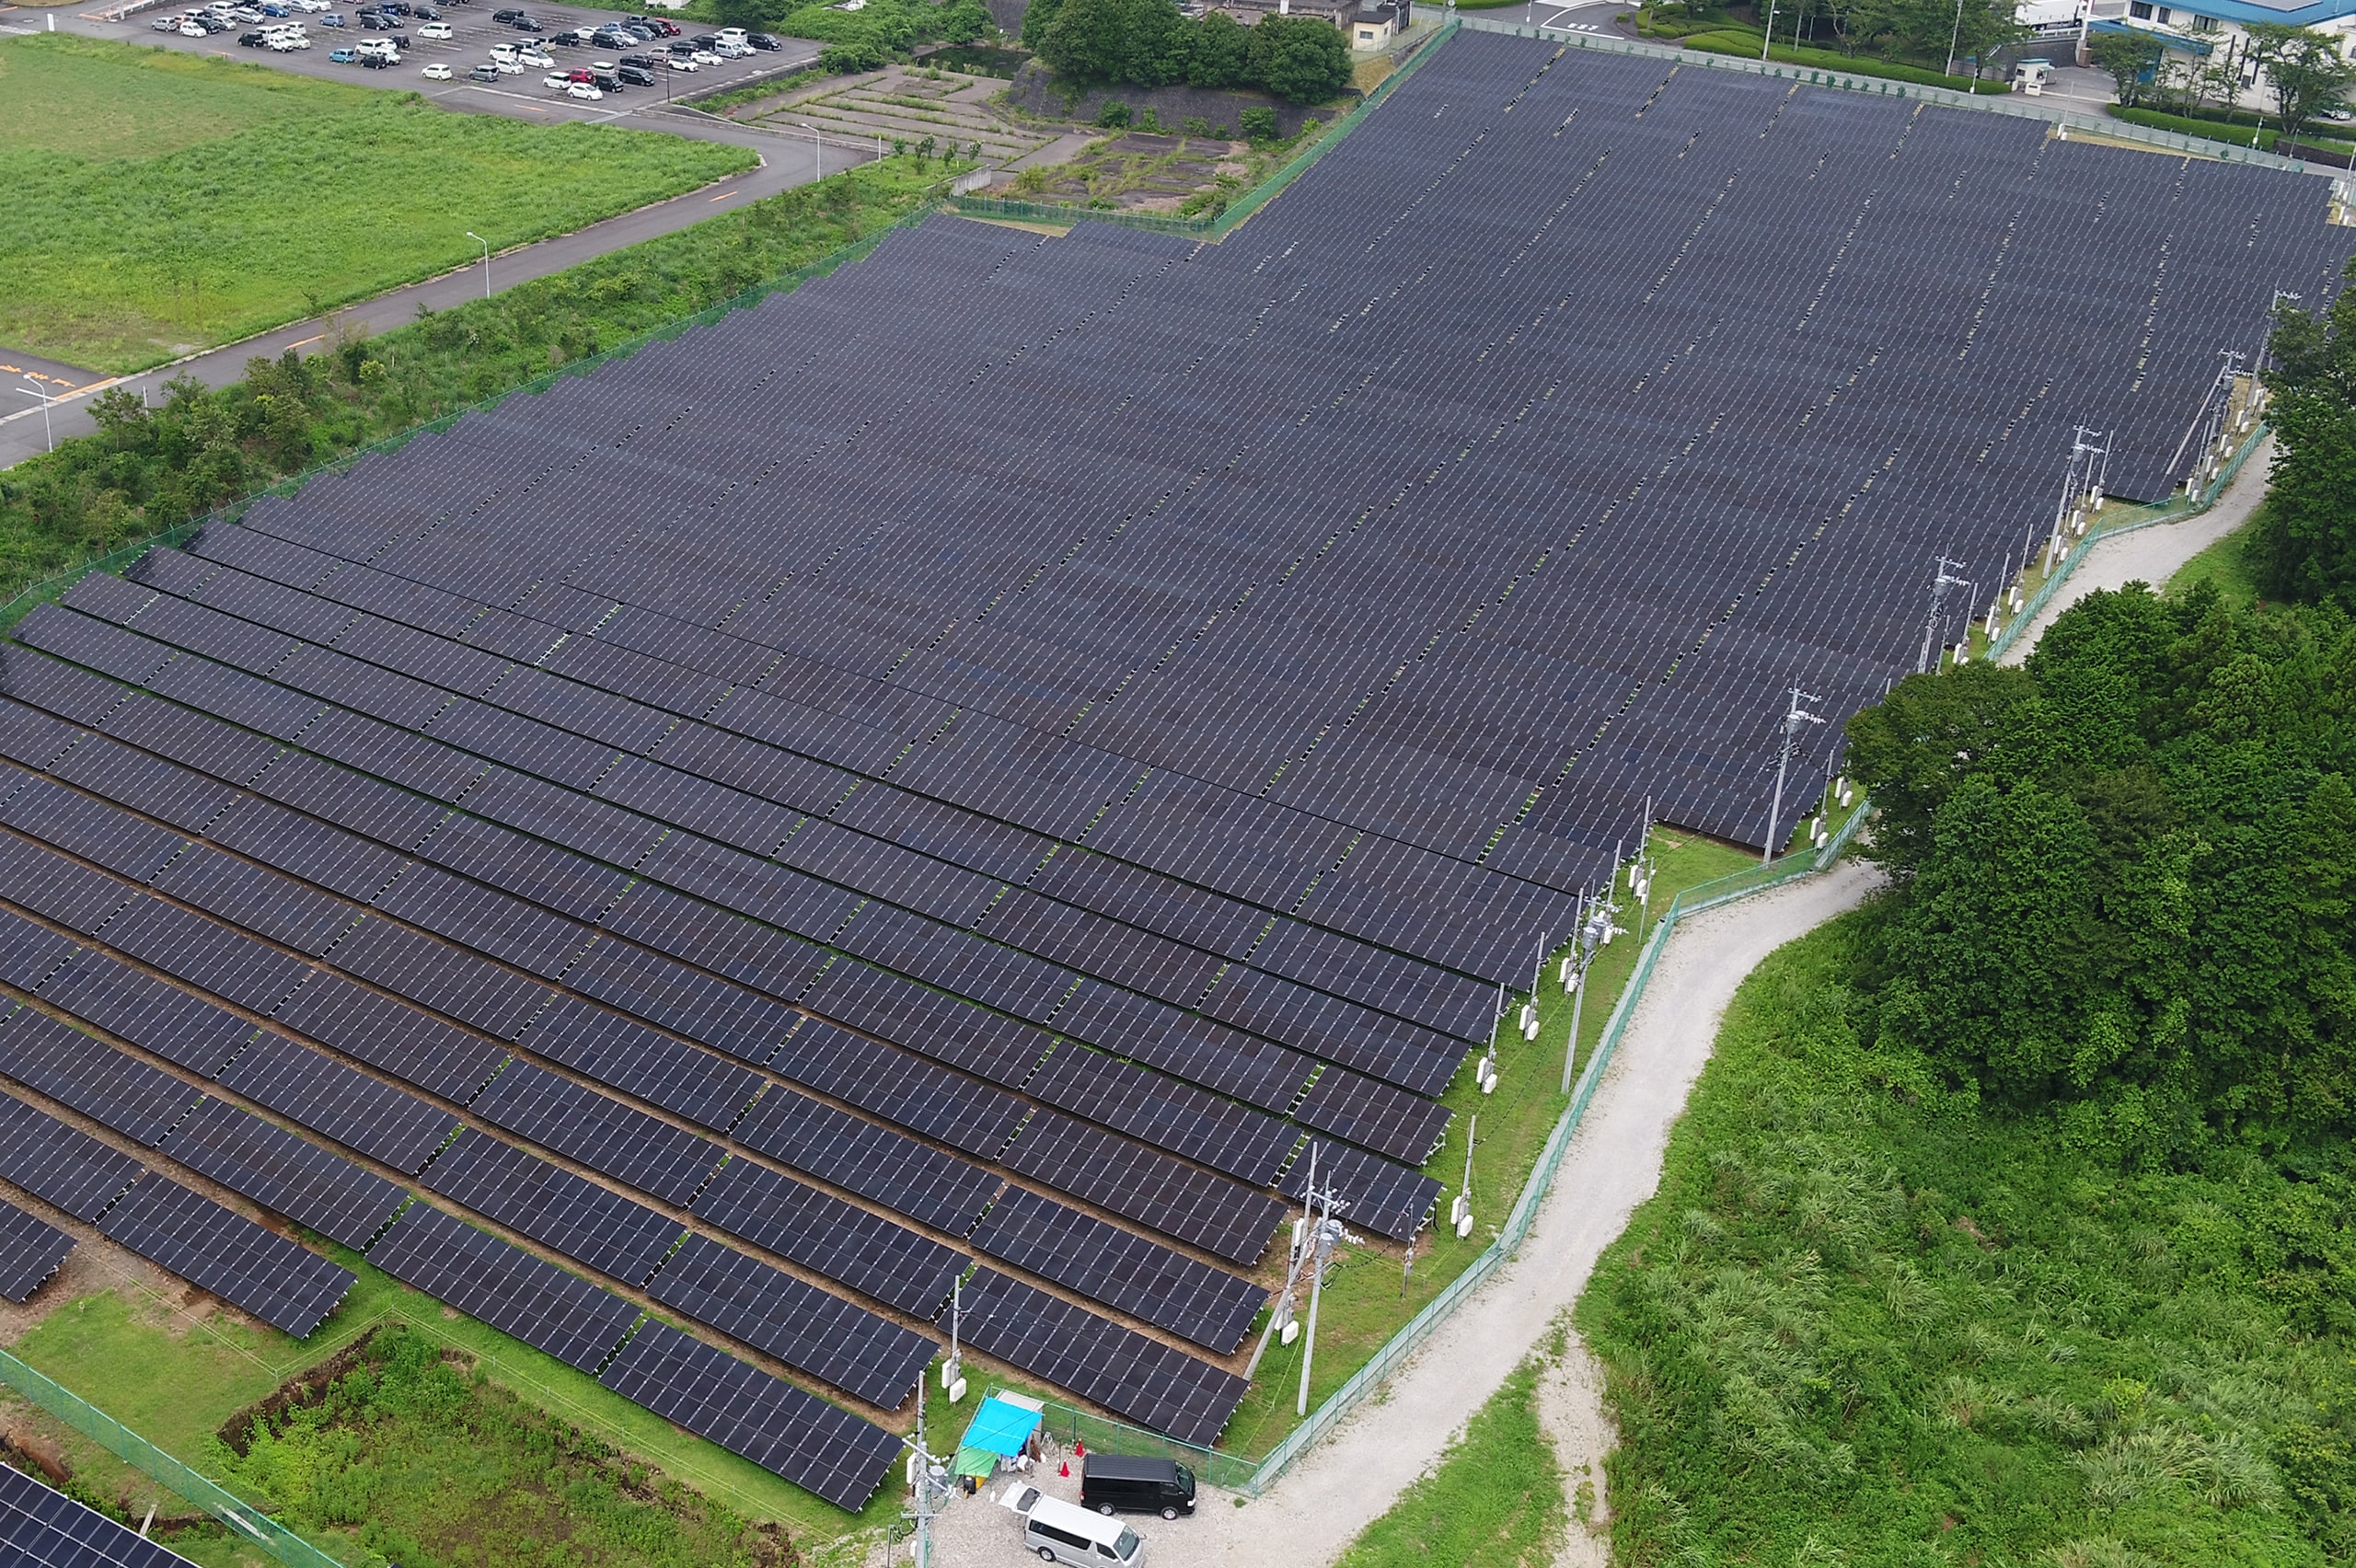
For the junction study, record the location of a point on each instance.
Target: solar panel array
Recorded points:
(31, 1251)
(285, 1285)
(1011, 748)
(41, 1529)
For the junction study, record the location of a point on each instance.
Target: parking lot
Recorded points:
(473, 32)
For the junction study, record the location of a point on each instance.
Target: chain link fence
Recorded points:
(247, 1522)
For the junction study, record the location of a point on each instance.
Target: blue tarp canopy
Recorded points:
(1002, 1425)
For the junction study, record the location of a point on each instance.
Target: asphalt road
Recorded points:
(786, 161)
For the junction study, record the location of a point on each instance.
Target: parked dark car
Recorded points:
(503, 17)
(527, 25)
(249, 40)
(377, 61)
(636, 76)
(483, 74)
(639, 61)
(1136, 1484)
(762, 40)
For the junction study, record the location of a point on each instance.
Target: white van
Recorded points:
(1065, 1532)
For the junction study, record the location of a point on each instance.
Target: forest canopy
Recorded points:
(2122, 875)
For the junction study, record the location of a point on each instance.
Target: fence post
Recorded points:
(247, 1521)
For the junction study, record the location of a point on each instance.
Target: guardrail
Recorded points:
(247, 1522)
(1885, 86)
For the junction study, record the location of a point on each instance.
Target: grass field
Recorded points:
(175, 1378)
(2226, 563)
(1858, 1325)
(169, 201)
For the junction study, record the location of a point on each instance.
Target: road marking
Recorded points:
(34, 375)
(723, 195)
(307, 342)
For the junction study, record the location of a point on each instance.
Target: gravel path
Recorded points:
(2153, 555)
(1614, 1164)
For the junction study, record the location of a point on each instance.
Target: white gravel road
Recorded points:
(1614, 1164)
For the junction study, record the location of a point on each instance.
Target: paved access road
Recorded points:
(786, 161)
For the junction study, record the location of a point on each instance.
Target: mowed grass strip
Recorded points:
(168, 202)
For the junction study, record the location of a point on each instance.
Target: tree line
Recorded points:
(153, 465)
(2123, 871)
(1150, 43)
(1933, 34)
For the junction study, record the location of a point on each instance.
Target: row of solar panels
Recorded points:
(858, 1351)
(703, 368)
(682, 992)
(44, 1528)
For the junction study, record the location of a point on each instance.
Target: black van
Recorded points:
(1131, 1483)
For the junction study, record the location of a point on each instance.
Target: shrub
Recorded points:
(1259, 123)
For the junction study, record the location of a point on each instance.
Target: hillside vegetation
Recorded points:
(2011, 1222)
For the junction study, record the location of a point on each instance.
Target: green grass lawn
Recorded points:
(1862, 1323)
(169, 201)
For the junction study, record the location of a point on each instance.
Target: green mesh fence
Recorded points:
(1238, 1473)
(247, 1521)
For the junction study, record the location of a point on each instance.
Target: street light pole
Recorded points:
(818, 145)
(1955, 37)
(486, 260)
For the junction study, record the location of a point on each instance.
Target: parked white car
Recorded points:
(589, 90)
(539, 59)
(437, 72)
(436, 30)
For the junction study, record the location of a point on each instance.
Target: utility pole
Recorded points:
(931, 1495)
(2266, 343)
(1281, 1315)
(1595, 930)
(1793, 716)
(1942, 579)
(1321, 1244)
(953, 1381)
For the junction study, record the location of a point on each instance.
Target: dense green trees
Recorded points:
(1147, 44)
(2124, 874)
(2306, 543)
